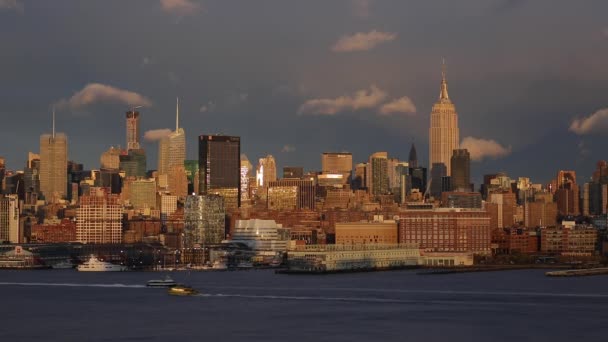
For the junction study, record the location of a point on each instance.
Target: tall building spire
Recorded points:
(413, 159)
(177, 114)
(443, 95)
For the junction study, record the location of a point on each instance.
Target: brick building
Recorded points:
(447, 230)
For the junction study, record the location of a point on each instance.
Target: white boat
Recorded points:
(96, 265)
(244, 264)
(167, 282)
(63, 265)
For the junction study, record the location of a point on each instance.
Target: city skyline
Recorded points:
(527, 98)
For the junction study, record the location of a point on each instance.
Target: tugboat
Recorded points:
(182, 290)
(167, 282)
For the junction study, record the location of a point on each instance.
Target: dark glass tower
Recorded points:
(461, 170)
(219, 167)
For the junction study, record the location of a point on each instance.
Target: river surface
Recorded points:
(258, 305)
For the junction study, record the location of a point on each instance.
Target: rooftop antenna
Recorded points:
(177, 114)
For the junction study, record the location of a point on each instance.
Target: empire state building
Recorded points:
(444, 136)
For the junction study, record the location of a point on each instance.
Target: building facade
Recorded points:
(132, 130)
(99, 217)
(447, 230)
(461, 170)
(220, 168)
(53, 165)
(9, 219)
(204, 220)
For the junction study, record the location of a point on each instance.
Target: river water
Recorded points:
(258, 305)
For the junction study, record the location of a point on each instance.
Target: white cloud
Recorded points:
(594, 123)
(400, 105)
(156, 134)
(288, 148)
(180, 7)
(362, 41)
(362, 99)
(482, 148)
(94, 93)
(11, 5)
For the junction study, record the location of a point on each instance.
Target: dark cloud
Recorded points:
(519, 79)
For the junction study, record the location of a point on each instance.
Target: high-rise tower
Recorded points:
(133, 130)
(219, 165)
(461, 170)
(444, 134)
(172, 148)
(53, 164)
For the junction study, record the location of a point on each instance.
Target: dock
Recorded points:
(579, 272)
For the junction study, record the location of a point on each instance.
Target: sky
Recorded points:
(298, 78)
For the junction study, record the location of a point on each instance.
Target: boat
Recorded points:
(219, 265)
(182, 290)
(63, 265)
(96, 265)
(244, 264)
(167, 282)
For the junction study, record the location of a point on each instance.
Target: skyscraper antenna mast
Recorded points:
(177, 114)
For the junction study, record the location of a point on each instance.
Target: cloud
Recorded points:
(11, 5)
(482, 148)
(180, 7)
(605, 32)
(156, 134)
(400, 105)
(288, 148)
(362, 99)
(362, 41)
(594, 123)
(94, 93)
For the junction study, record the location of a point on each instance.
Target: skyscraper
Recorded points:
(413, 158)
(204, 220)
(172, 148)
(110, 159)
(443, 134)
(53, 164)
(377, 174)
(133, 130)
(338, 163)
(9, 219)
(219, 163)
(266, 172)
(461, 170)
